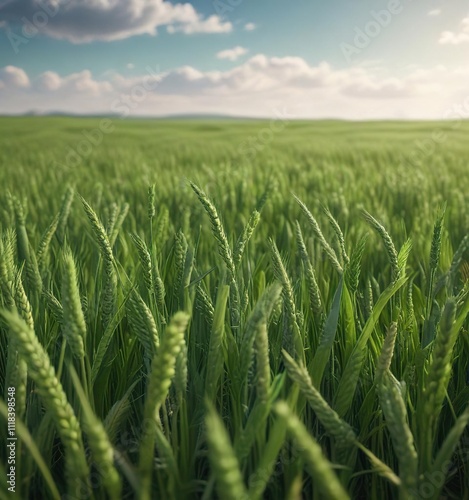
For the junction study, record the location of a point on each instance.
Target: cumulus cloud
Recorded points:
(212, 24)
(252, 88)
(49, 81)
(232, 54)
(81, 83)
(250, 26)
(81, 21)
(456, 38)
(11, 76)
(434, 12)
(368, 88)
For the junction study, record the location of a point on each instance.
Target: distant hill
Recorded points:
(182, 116)
(202, 116)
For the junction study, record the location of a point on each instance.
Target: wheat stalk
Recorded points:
(245, 237)
(318, 233)
(64, 213)
(331, 421)
(321, 469)
(99, 443)
(45, 242)
(224, 250)
(142, 321)
(51, 391)
(74, 328)
(223, 460)
(314, 293)
(339, 234)
(293, 342)
(388, 244)
(162, 372)
(145, 261)
(387, 351)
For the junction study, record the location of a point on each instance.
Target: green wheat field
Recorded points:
(219, 309)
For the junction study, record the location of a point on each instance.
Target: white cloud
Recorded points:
(434, 12)
(232, 54)
(250, 26)
(80, 83)
(368, 88)
(11, 76)
(130, 66)
(252, 88)
(452, 38)
(49, 81)
(212, 24)
(82, 21)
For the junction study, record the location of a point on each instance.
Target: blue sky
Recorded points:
(83, 55)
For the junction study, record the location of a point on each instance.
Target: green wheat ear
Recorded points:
(314, 293)
(225, 466)
(293, 340)
(435, 250)
(256, 321)
(353, 269)
(74, 320)
(224, 250)
(145, 261)
(320, 468)
(388, 244)
(217, 229)
(44, 244)
(19, 377)
(121, 215)
(387, 351)
(99, 232)
(112, 217)
(151, 202)
(392, 403)
(51, 391)
(64, 213)
(318, 233)
(163, 369)
(109, 292)
(22, 239)
(340, 235)
(142, 322)
(204, 304)
(334, 425)
(99, 443)
(395, 414)
(245, 236)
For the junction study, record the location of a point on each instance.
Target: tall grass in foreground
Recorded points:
(237, 341)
